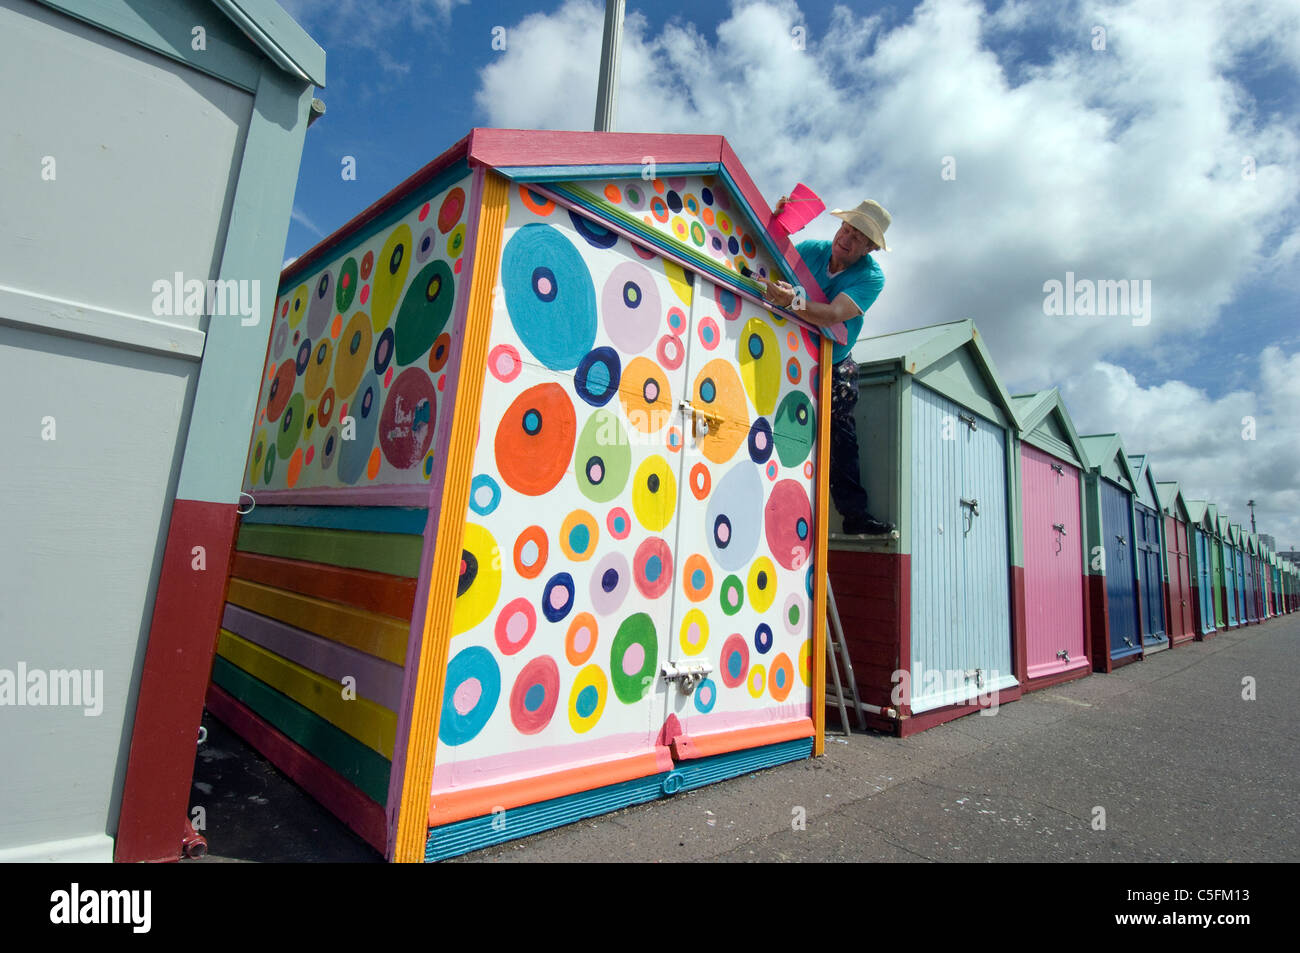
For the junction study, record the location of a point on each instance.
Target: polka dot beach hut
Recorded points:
(539, 496)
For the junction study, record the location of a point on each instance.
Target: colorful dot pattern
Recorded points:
(608, 532)
(355, 376)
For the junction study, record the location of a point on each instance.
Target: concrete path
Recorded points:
(1183, 767)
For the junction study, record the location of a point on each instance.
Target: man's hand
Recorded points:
(779, 293)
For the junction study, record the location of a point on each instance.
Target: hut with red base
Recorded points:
(1110, 484)
(1049, 587)
(927, 615)
(1180, 597)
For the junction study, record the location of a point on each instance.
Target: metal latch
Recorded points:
(967, 419)
(1063, 655)
(972, 511)
(978, 675)
(712, 422)
(1060, 470)
(687, 675)
(1122, 540)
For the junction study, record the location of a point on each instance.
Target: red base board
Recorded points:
(177, 665)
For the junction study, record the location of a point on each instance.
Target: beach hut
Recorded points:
(1237, 541)
(151, 155)
(1275, 585)
(1109, 486)
(928, 615)
(1049, 588)
(537, 480)
(1180, 599)
(1148, 527)
(1203, 585)
(1230, 577)
(1253, 588)
(1219, 566)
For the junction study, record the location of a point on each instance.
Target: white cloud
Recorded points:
(1122, 163)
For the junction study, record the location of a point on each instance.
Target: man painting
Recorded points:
(851, 280)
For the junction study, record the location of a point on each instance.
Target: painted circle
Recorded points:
(700, 481)
(761, 443)
(549, 296)
(602, 457)
(484, 494)
(792, 614)
(280, 390)
(578, 535)
(587, 699)
(406, 426)
(733, 663)
(318, 370)
(352, 357)
(439, 353)
(694, 633)
(805, 659)
(535, 202)
(676, 320)
(619, 523)
(731, 595)
(345, 289)
(534, 441)
(756, 681)
(391, 267)
(787, 520)
(424, 312)
(719, 392)
(634, 658)
(652, 568)
(472, 688)
(707, 331)
(515, 626)
(763, 638)
(795, 427)
(593, 233)
(580, 640)
(697, 578)
(557, 597)
(611, 581)
(670, 351)
(449, 213)
(728, 301)
(479, 584)
(424, 245)
(762, 584)
(654, 493)
(291, 422)
(732, 518)
(504, 363)
(530, 552)
(596, 379)
(760, 364)
(780, 679)
(534, 697)
(706, 696)
(646, 396)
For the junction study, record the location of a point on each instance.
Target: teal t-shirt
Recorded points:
(861, 281)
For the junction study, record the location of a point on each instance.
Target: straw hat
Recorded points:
(868, 218)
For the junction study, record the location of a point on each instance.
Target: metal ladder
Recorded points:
(837, 654)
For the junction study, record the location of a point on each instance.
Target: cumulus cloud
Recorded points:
(1133, 151)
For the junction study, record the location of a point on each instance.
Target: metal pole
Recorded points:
(1251, 504)
(607, 90)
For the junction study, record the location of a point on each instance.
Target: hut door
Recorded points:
(741, 603)
(1230, 583)
(1152, 580)
(1053, 563)
(1217, 583)
(1117, 527)
(1205, 582)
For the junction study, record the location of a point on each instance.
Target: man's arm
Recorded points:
(842, 309)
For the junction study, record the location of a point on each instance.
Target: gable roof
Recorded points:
(550, 158)
(1102, 448)
(1031, 410)
(1172, 502)
(278, 35)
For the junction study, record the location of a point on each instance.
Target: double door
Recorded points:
(1180, 615)
(637, 555)
(1204, 582)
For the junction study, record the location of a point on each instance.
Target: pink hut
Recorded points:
(1049, 589)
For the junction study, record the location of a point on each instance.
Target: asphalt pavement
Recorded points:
(1189, 756)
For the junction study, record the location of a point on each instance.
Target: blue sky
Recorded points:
(1170, 154)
